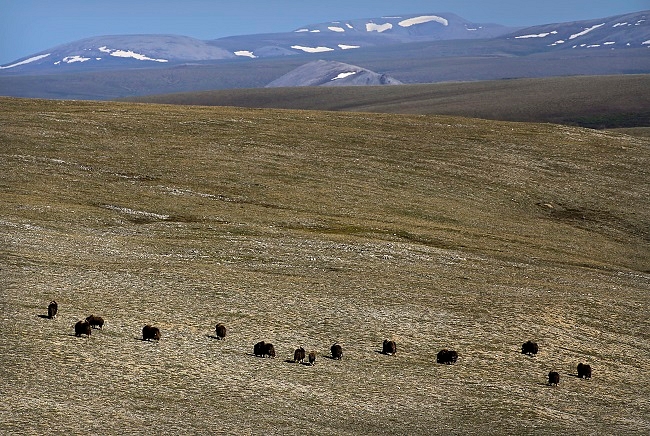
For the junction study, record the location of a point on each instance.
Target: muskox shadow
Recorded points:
(140, 339)
(216, 338)
(327, 356)
(43, 316)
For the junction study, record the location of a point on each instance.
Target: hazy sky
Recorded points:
(30, 26)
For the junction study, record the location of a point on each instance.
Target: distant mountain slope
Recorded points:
(361, 33)
(120, 51)
(128, 51)
(424, 48)
(331, 73)
(621, 31)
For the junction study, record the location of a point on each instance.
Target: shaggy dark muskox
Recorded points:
(530, 348)
(584, 370)
(337, 351)
(82, 328)
(553, 378)
(299, 355)
(447, 356)
(263, 349)
(389, 347)
(95, 321)
(150, 333)
(220, 331)
(312, 357)
(52, 309)
(259, 348)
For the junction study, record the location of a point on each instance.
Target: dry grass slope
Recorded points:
(308, 228)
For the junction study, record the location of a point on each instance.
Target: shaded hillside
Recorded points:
(306, 228)
(597, 102)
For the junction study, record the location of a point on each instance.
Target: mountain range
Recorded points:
(417, 48)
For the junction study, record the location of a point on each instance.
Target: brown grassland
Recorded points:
(309, 228)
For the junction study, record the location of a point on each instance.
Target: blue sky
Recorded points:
(30, 26)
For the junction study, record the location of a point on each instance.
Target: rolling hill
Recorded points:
(324, 73)
(306, 228)
(621, 101)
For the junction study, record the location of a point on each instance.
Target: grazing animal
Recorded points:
(447, 356)
(530, 348)
(299, 355)
(52, 309)
(337, 352)
(95, 321)
(150, 332)
(82, 328)
(312, 357)
(220, 331)
(389, 347)
(553, 378)
(259, 348)
(584, 370)
(263, 349)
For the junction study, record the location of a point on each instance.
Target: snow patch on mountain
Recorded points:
(585, 31)
(423, 19)
(26, 61)
(129, 54)
(344, 75)
(72, 60)
(245, 53)
(311, 49)
(374, 27)
(539, 35)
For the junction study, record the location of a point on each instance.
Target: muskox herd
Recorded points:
(86, 326)
(266, 349)
(531, 348)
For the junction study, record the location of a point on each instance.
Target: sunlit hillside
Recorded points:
(306, 228)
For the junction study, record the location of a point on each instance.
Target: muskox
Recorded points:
(389, 347)
(312, 357)
(299, 355)
(82, 328)
(95, 321)
(337, 351)
(553, 378)
(150, 332)
(220, 331)
(263, 349)
(52, 309)
(584, 370)
(447, 356)
(259, 348)
(530, 348)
